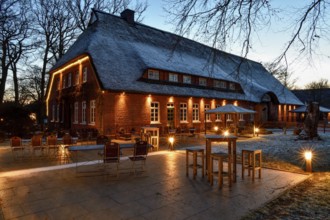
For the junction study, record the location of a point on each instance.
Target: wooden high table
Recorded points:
(231, 140)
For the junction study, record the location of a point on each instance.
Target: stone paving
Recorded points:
(162, 192)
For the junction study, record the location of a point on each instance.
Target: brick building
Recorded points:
(120, 74)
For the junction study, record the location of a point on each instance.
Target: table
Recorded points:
(231, 140)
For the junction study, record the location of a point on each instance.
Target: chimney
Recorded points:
(128, 15)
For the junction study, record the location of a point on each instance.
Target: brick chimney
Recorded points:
(128, 15)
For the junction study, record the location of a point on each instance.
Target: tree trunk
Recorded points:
(312, 120)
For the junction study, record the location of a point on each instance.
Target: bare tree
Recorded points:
(281, 73)
(233, 21)
(80, 9)
(321, 84)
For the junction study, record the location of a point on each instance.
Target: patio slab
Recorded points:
(162, 192)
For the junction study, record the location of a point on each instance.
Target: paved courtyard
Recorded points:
(162, 192)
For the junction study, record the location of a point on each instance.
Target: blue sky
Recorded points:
(266, 47)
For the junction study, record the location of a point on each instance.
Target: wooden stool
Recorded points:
(219, 157)
(194, 165)
(253, 163)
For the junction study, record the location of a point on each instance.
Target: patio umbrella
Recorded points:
(303, 109)
(229, 109)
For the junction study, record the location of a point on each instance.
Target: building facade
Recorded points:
(122, 75)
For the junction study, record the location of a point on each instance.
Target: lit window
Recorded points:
(202, 81)
(195, 112)
(207, 116)
(173, 77)
(170, 112)
(232, 86)
(219, 84)
(76, 112)
(183, 112)
(154, 112)
(92, 112)
(218, 116)
(85, 72)
(187, 79)
(153, 74)
(69, 79)
(83, 112)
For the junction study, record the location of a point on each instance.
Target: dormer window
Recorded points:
(85, 74)
(187, 79)
(202, 81)
(153, 74)
(219, 84)
(232, 86)
(173, 77)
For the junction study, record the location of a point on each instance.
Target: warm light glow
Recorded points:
(171, 99)
(308, 155)
(123, 93)
(149, 98)
(235, 103)
(78, 62)
(171, 140)
(223, 102)
(256, 130)
(216, 128)
(226, 133)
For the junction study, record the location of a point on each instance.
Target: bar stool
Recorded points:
(194, 165)
(253, 163)
(218, 157)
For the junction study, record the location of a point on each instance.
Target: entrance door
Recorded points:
(170, 116)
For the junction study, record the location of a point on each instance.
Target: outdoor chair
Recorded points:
(102, 139)
(17, 148)
(52, 146)
(67, 142)
(111, 156)
(140, 156)
(36, 144)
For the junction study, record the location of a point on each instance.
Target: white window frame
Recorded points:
(85, 72)
(153, 74)
(92, 111)
(207, 116)
(76, 78)
(186, 79)
(173, 77)
(195, 113)
(53, 112)
(218, 116)
(183, 112)
(154, 113)
(83, 112)
(76, 113)
(241, 117)
(232, 86)
(219, 84)
(202, 81)
(229, 117)
(63, 82)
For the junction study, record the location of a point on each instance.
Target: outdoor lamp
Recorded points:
(226, 133)
(256, 130)
(308, 158)
(216, 128)
(171, 142)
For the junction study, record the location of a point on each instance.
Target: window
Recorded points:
(187, 79)
(69, 79)
(202, 81)
(218, 116)
(232, 86)
(92, 111)
(219, 84)
(63, 82)
(183, 112)
(153, 74)
(58, 87)
(85, 72)
(53, 112)
(76, 78)
(207, 116)
(241, 118)
(195, 112)
(83, 112)
(173, 77)
(154, 112)
(170, 114)
(229, 118)
(76, 112)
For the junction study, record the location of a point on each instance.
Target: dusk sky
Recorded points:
(266, 46)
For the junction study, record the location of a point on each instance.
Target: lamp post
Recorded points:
(171, 143)
(256, 131)
(308, 158)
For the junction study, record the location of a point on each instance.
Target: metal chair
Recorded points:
(16, 147)
(36, 144)
(140, 156)
(111, 155)
(52, 146)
